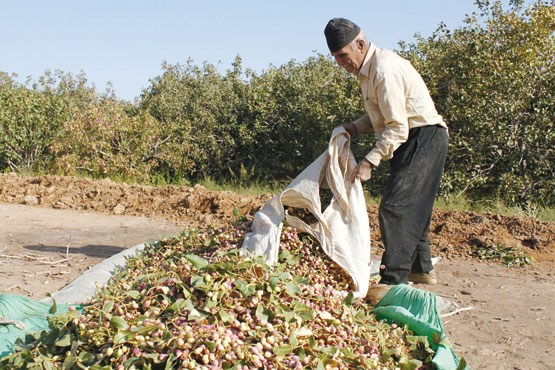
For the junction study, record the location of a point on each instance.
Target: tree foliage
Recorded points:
(29, 120)
(221, 124)
(293, 109)
(492, 79)
(201, 117)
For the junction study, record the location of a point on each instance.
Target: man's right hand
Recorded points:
(362, 171)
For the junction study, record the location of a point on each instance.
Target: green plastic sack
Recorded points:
(20, 316)
(418, 310)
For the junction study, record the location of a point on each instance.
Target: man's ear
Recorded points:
(360, 44)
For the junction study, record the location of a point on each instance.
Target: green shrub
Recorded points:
(29, 119)
(104, 141)
(494, 82)
(294, 109)
(200, 114)
(492, 79)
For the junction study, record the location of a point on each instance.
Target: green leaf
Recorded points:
(349, 299)
(292, 288)
(222, 267)
(273, 282)
(130, 361)
(436, 337)
(225, 316)
(177, 306)
(147, 329)
(263, 313)
(107, 307)
(348, 353)
(304, 332)
(99, 367)
(210, 345)
(312, 342)
(211, 303)
(197, 281)
(195, 314)
(123, 336)
(304, 311)
(119, 322)
(287, 257)
(462, 364)
(283, 350)
(26, 354)
(170, 361)
(245, 288)
(54, 307)
(86, 357)
(244, 264)
(189, 304)
(418, 339)
(413, 364)
(70, 358)
(133, 294)
(64, 341)
(289, 316)
(152, 357)
(199, 262)
(293, 339)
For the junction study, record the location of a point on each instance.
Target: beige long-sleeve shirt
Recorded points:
(396, 99)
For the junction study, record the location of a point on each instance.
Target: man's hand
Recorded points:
(363, 171)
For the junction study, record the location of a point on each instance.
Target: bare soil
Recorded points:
(53, 228)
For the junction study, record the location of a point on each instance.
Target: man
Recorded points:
(411, 135)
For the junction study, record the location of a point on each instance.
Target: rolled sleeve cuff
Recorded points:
(374, 157)
(363, 125)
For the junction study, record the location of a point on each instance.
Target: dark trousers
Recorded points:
(407, 203)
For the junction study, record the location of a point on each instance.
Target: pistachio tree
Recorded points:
(493, 80)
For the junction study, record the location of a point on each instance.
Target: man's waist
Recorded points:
(415, 131)
(417, 124)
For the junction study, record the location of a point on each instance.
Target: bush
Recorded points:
(29, 120)
(494, 82)
(200, 114)
(102, 140)
(293, 110)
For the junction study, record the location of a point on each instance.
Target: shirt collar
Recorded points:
(365, 69)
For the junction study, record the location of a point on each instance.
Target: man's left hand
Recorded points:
(362, 171)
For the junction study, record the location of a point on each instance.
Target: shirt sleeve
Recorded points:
(364, 125)
(391, 95)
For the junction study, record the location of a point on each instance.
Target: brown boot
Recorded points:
(377, 292)
(429, 278)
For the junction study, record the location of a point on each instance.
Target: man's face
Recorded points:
(349, 58)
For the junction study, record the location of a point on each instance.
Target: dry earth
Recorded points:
(54, 228)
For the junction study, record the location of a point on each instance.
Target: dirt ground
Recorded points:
(54, 228)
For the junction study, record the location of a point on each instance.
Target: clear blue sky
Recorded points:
(125, 42)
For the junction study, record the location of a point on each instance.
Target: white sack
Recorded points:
(342, 229)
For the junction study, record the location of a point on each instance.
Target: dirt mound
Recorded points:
(194, 205)
(461, 233)
(453, 234)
